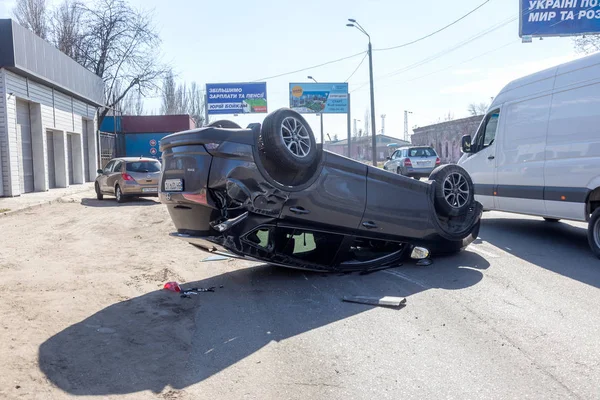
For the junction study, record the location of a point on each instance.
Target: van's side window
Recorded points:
(487, 136)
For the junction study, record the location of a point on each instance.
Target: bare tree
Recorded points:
(478, 108)
(65, 27)
(587, 44)
(119, 44)
(138, 106)
(196, 106)
(181, 99)
(169, 93)
(31, 14)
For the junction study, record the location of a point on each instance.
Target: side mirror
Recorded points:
(100, 171)
(388, 158)
(466, 144)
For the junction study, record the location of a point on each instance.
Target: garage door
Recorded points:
(86, 155)
(50, 151)
(70, 157)
(24, 147)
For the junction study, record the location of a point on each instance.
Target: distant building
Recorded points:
(445, 137)
(140, 135)
(361, 147)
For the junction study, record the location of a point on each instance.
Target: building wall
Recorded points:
(446, 137)
(50, 110)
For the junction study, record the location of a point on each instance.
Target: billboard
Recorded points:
(236, 98)
(326, 98)
(559, 17)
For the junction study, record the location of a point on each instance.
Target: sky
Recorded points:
(242, 41)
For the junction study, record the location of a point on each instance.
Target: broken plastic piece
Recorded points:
(172, 286)
(376, 301)
(215, 258)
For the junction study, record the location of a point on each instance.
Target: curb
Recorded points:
(43, 203)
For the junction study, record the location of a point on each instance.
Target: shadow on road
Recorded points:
(558, 247)
(160, 339)
(111, 202)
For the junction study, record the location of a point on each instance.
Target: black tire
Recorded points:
(551, 219)
(593, 233)
(298, 135)
(454, 191)
(399, 171)
(119, 195)
(99, 194)
(449, 247)
(224, 123)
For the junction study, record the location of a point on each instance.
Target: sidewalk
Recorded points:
(9, 205)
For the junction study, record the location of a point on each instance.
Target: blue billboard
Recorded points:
(326, 98)
(559, 17)
(236, 98)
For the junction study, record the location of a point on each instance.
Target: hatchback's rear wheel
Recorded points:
(551, 219)
(454, 191)
(99, 194)
(119, 194)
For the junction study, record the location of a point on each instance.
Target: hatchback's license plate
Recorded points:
(149, 190)
(173, 185)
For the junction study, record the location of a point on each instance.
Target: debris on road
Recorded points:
(388, 301)
(215, 258)
(201, 290)
(172, 286)
(424, 262)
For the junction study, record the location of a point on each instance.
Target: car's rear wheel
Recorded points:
(288, 140)
(594, 232)
(119, 194)
(551, 219)
(99, 194)
(224, 123)
(454, 191)
(398, 171)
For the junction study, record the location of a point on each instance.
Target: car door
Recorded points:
(336, 201)
(481, 163)
(114, 176)
(105, 173)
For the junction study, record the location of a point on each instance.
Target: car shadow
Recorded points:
(112, 202)
(559, 247)
(159, 339)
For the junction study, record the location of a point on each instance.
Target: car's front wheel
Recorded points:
(99, 194)
(594, 232)
(454, 190)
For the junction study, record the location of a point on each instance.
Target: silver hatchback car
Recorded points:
(128, 177)
(415, 161)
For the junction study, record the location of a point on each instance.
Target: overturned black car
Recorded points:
(270, 193)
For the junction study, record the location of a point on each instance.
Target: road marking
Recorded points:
(407, 278)
(482, 252)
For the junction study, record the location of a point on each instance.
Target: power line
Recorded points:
(442, 53)
(436, 32)
(359, 64)
(307, 68)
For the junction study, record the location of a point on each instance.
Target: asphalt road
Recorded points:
(515, 316)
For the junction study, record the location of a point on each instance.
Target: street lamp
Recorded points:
(354, 24)
(321, 114)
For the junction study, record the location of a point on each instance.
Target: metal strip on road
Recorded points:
(407, 278)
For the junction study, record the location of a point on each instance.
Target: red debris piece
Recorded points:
(172, 286)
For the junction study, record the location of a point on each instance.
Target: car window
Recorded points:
(421, 152)
(487, 133)
(143, 166)
(109, 166)
(117, 166)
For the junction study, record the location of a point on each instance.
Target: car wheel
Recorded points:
(288, 140)
(398, 171)
(594, 232)
(454, 192)
(449, 247)
(119, 194)
(99, 194)
(551, 219)
(223, 123)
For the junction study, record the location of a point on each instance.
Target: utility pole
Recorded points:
(406, 138)
(320, 114)
(383, 124)
(354, 24)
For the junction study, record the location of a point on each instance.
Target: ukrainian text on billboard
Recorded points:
(236, 98)
(326, 98)
(559, 17)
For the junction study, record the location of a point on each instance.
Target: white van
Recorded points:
(537, 151)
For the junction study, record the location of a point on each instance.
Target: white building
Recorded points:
(48, 104)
